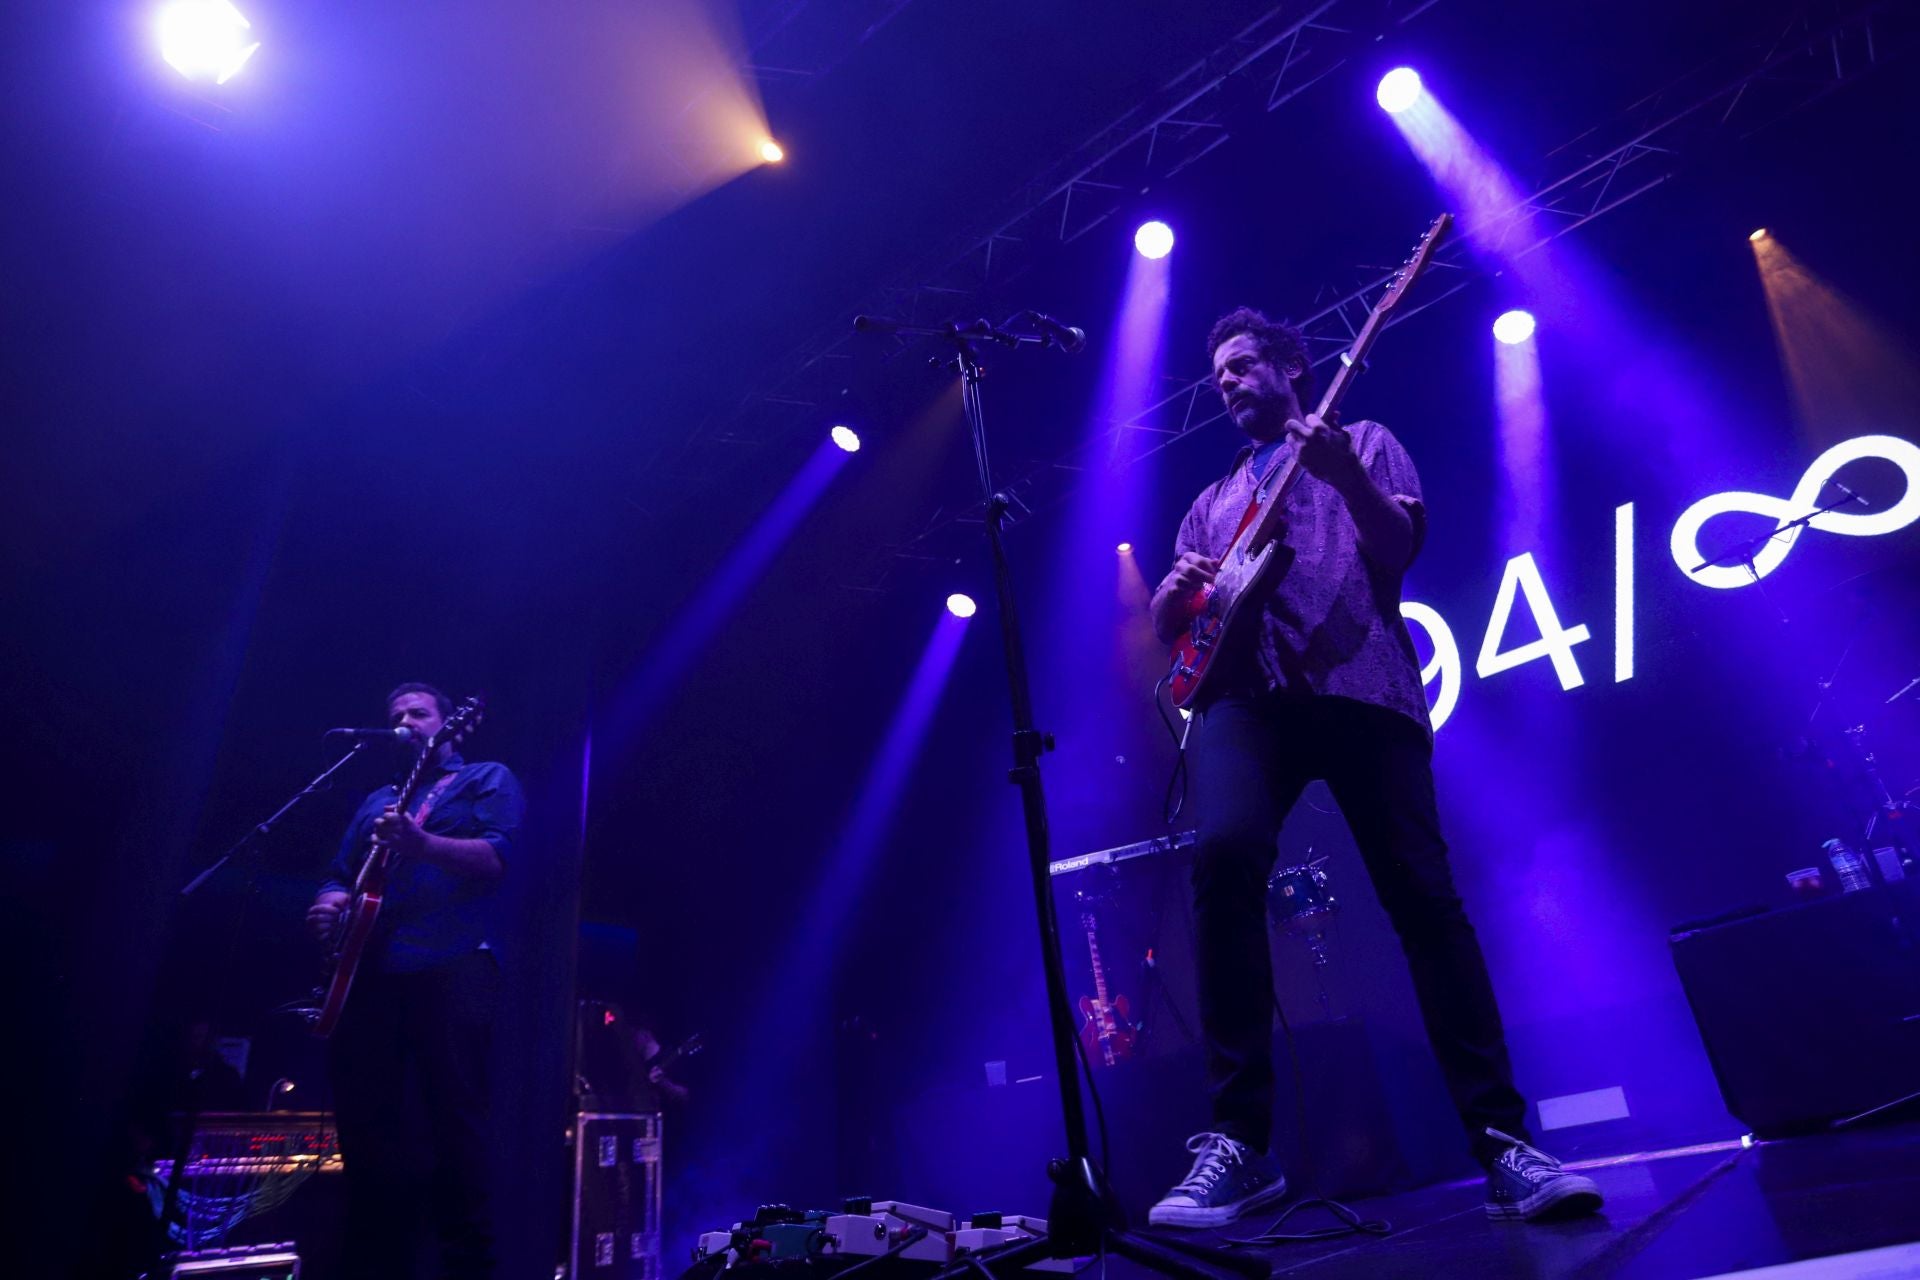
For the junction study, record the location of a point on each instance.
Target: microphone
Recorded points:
(1070, 338)
(1850, 495)
(399, 734)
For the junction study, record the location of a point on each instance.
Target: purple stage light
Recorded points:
(1526, 476)
(847, 438)
(1514, 327)
(1125, 548)
(656, 680)
(1153, 240)
(1399, 89)
(204, 39)
(961, 606)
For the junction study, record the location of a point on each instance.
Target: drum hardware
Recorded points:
(1299, 901)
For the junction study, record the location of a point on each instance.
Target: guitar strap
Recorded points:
(438, 789)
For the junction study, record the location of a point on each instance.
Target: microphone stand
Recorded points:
(1746, 552)
(1083, 1217)
(264, 829)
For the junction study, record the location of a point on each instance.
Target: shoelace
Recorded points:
(1216, 1151)
(1530, 1164)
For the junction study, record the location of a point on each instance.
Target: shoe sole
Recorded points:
(1177, 1216)
(1570, 1198)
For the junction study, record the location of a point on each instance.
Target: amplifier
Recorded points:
(615, 1228)
(1811, 1014)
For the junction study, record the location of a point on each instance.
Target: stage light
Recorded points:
(960, 606)
(1124, 548)
(771, 151)
(1514, 327)
(1153, 240)
(204, 39)
(846, 438)
(1399, 89)
(1758, 235)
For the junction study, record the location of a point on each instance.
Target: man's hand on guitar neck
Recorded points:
(323, 917)
(1326, 450)
(1388, 534)
(1170, 610)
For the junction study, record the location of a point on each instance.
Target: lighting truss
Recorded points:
(1823, 48)
(1267, 64)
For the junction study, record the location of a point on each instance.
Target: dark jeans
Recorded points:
(1252, 757)
(411, 1076)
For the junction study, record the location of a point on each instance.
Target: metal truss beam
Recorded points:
(1293, 46)
(1765, 79)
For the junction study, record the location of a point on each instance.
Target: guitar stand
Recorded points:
(1083, 1217)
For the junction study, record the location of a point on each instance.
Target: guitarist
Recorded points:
(1329, 688)
(409, 1062)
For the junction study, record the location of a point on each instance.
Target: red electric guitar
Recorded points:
(370, 886)
(1107, 1032)
(1249, 570)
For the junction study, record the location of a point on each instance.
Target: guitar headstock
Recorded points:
(465, 719)
(1416, 263)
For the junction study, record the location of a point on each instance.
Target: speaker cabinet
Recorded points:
(1810, 1014)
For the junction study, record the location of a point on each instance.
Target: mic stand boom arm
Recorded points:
(1743, 553)
(262, 830)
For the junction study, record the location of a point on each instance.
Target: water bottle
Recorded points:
(1849, 866)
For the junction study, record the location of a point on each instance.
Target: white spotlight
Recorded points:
(204, 39)
(846, 438)
(1153, 240)
(960, 606)
(1513, 327)
(1399, 89)
(771, 151)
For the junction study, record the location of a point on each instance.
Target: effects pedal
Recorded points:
(985, 1231)
(872, 1228)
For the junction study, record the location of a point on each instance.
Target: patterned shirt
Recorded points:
(1333, 625)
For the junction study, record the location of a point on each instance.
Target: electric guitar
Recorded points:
(1107, 1033)
(370, 886)
(667, 1057)
(1250, 569)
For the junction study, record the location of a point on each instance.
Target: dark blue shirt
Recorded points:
(431, 915)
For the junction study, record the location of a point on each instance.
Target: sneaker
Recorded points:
(1228, 1179)
(1526, 1184)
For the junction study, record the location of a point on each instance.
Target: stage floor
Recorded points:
(1811, 1203)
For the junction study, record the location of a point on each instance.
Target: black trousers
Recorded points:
(1252, 757)
(411, 1080)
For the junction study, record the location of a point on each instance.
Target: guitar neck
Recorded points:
(1256, 532)
(1282, 476)
(1093, 951)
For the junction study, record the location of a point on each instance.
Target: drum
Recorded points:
(1297, 895)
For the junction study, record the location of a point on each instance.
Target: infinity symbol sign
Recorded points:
(1805, 498)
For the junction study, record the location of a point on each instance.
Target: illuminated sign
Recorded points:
(1804, 500)
(1521, 583)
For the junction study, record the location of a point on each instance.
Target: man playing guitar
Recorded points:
(410, 1061)
(1328, 687)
